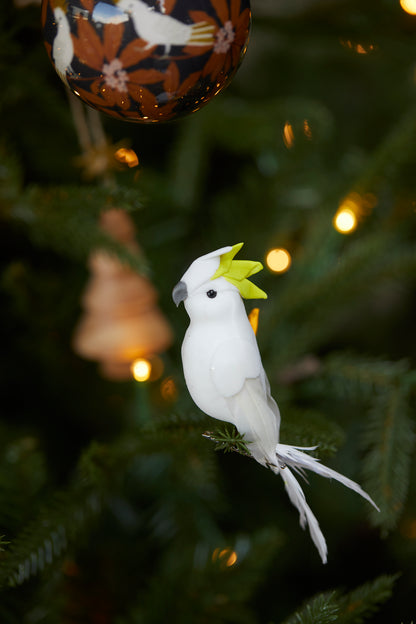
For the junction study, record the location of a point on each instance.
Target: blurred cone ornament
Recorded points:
(122, 320)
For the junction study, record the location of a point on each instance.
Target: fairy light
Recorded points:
(307, 129)
(231, 559)
(225, 556)
(409, 6)
(141, 369)
(345, 220)
(127, 156)
(278, 260)
(288, 135)
(359, 48)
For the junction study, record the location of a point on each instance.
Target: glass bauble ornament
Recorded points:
(146, 60)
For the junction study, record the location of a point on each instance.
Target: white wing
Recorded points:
(233, 361)
(238, 376)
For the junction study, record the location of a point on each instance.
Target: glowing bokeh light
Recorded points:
(409, 6)
(278, 260)
(127, 156)
(226, 556)
(253, 318)
(288, 135)
(141, 369)
(345, 220)
(359, 48)
(307, 129)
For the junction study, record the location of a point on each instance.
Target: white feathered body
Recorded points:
(225, 377)
(224, 373)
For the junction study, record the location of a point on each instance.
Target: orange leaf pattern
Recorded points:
(146, 60)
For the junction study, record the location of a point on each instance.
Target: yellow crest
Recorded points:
(237, 272)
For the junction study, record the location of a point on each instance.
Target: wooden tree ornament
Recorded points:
(122, 320)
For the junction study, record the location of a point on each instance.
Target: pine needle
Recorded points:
(322, 609)
(365, 600)
(228, 440)
(388, 440)
(351, 608)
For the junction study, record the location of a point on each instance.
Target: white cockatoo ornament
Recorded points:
(225, 376)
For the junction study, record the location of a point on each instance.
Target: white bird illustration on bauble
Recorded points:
(225, 376)
(160, 29)
(62, 47)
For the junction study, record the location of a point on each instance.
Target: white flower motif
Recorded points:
(115, 76)
(224, 38)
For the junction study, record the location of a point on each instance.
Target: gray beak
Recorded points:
(179, 293)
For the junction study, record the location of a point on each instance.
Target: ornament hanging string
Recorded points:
(121, 319)
(98, 153)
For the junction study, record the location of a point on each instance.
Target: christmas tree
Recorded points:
(121, 502)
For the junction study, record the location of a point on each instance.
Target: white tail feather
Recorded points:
(306, 516)
(293, 456)
(297, 460)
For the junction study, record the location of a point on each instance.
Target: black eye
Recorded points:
(211, 294)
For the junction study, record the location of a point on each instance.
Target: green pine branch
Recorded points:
(322, 609)
(342, 283)
(301, 428)
(388, 433)
(388, 442)
(228, 440)
(43, 542)
(226, 574)
(54, 220)
(308, 427)
(353, 375)
(66, 218)
(330, 273)
(362, 602)
(62, 519)
(351, 608)
(399, 141)
(101, 471)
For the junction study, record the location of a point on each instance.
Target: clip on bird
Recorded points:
(225, 376)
